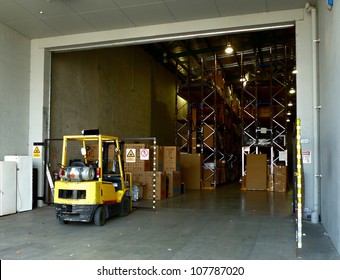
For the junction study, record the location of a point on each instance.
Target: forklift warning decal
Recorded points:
(130, 155)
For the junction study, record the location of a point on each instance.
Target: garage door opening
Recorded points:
(218, 108)
(228, 117)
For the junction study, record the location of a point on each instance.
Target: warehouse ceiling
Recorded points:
(48, 18)
(260, 55)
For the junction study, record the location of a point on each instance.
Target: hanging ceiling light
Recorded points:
(243, 79)
(165, 57)
(289, 113)
(290, 104)
(292, 91)
(229, 49)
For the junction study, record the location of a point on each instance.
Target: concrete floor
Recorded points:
(225, 224)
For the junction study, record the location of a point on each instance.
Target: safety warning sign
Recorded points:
(306, 156)
(36, 152)
(130, 155)
(144, 154)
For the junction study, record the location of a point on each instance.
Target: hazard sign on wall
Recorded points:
(36, 152)
(306, 156)
(130, 155)
(144, 154)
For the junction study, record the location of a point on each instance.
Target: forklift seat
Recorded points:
(113, 180)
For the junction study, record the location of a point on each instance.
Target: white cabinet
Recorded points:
(24, 181)
(8, 188)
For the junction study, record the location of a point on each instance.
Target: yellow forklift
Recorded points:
(92, 186)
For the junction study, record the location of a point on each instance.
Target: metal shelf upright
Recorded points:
(201, 94)
(264, 104)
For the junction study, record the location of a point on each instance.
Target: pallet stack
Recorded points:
(166, 176)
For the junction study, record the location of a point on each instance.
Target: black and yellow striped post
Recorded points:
(154, 174)
(299, 185)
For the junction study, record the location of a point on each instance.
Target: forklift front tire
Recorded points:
(99, 216)
(125, 206)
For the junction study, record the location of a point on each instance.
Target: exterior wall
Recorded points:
(14, 92)
(304, 101)
(329, 26)
(25, 91)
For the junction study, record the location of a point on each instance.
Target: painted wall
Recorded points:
(121, 91)
(14, 92)
(163, 97)
(329, 26)
(304, 102)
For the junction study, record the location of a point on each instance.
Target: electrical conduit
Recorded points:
(316, 116)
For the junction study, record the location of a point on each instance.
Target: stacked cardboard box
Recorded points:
(265, 112)
(138, 178)
(280, 178)
(132, 158)
(195, 176)
(191, 170)
(256, 172)
(92, 153)
(173, 183)
(159, 156)
(145, 181)
(166, 168)
(171, 165)
(160, 185)
(92, 156)
(171, 158)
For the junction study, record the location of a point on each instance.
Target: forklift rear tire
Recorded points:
(125, 206)
(99, 216)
